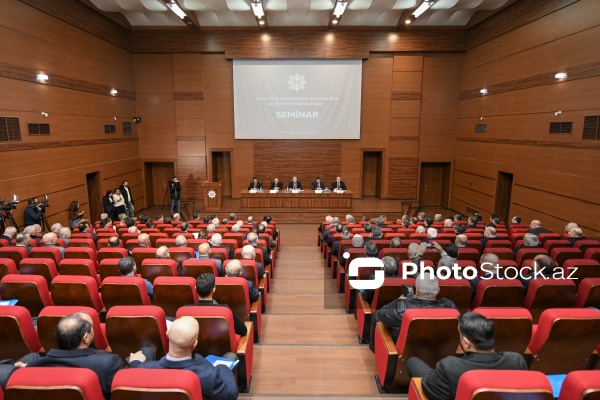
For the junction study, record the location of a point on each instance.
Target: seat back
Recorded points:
(391, 289)
(499, 293)
(564, 340)
(81, 252)
(502, 384)
(194, 267)
(562, 254)
(457, 290)
(512, 327)
(180, 254)
(14, 253)
(51, 315)
(154, 235)
(109, 267)
(78, 267)
(216, 334)
(69, 290)
(45, 267)
(579, 269)
(397, 254)
(112, 252)
(234, 293)
(543, 294)
(139, 254)
(172, 292)
(53, 383)
(7, 266)
(129, 328)
(528, 253)
(124, 291)
(31, 291)
(468, 253)
(83, 243)
(154, 267)
(581, 385)
(18, 334)
(155, 384)
(588, 294)
(46, 252)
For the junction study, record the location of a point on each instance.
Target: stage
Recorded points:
(304, 200)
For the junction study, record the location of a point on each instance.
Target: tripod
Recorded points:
(7, 217)
(164, 204)
(44, 223)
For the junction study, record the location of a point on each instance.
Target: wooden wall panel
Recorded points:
(403, 173)
(408, 62)
(406, 108)
(191, 171)
(404, 127)
(407, 81)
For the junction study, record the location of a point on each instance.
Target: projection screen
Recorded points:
(297, 99)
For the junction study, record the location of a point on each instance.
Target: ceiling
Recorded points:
(212, 14)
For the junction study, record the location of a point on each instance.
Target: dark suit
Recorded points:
(258, 185)
(334, 185)
(229, 255)
(298, 185)
(318, 185)
(485, 240)
(538, 231)
(7, 238)
(441, 383)
(266, 257)
(279, 185)
(253, 292)
(238, 325)
(104, 364)
(216, 382)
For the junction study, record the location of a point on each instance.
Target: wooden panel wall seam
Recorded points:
(583, 144)
(17, 146)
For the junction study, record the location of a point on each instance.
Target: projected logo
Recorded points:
(296, 82)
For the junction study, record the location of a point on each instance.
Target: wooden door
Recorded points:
(503, 195)
(221, 170)
(158, 174)
(434, 184)
(372, 173)
(94, 196)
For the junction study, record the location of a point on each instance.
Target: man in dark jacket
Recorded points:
(477, 341)
(216, 382)
(175, 191)
(425, 297)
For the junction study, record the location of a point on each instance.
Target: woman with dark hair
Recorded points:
(119, 203)
(75, 214)
(108, 204)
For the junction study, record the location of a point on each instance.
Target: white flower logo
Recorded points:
(296, 82)
(212, 194)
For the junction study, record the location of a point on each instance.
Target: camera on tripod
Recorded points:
(42, 205)
(8, 206)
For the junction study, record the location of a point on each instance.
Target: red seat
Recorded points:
(588, 294)
(109, 267)
(45, 267)
(564, 340)
(157, 384)
(79, 267)
(154, 267)
(81, 252)
(14, 253)
(18, 334)
(543, 237)
(172, 292)
(473, 244)
(579, 269)
(83, 243)
(46, 252)
(154, 236)
(169, 242)
(233, 291)
(503, 384)
(562, 254)
(420, 327)
(82, 235)
(69, 290)
(543, 294)
(129, 328)
(217, 336)
(112, 252)
(139, 254)
(124, 290)
(54, 383)
(586, 244)
(467, 253)
(103, 243)
(193, 267)
(397, 254)
(180, 254)
(528, 253)
(513, 327)
(7, 266)
(31, 291)
(593, 253)
(51, 315)
(581, 385)
(501, 252)
(499, 293)
(457, 290)
(498, 243)
(554, 243)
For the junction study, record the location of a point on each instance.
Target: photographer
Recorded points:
(175, 190)
(74, 214)
(33, 212)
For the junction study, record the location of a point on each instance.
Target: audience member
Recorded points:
(215, 243)
(9, 234)
(536, 228)
(248, 253)
(390, 268)
(128, 268)
(234, 269)
(529, 241)
(50, 240)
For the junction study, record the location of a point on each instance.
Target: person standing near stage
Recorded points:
(128, 196)
(175, 190)
(119, 203)
(74, 214)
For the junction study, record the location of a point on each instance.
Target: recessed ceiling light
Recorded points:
(261, 22)
(42, 77)
(483, 91)
(560, 75)
(335, 21)
(113, 91)
(408, 21)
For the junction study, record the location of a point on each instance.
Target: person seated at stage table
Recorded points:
(255, 184)
(338, 184)
(276, 185)
(318, 184)
(295, 184)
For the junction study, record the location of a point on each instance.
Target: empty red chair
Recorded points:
(502, 384)
(581, 385)
(193, 267)
(501, 252)
(499, 293)
(513, 327)
(79, 267)
(217, 336)
(54, 383)
(158, 384)
(233, 291)
(83, 243)
(172, 292)
(81, 252)
(112, 252)
(528, 253)
(562, 254)
(564, 340)
(420, 327)
(543, 237)
(154, 267)
(457, 290)
(180, 254)
(588, 294)
(45, 267)
(51, 315)
(586, 244)
(467, 253)
(543, 294)
(31, 291)
(81, 235)
(579, 269)
(498, 243)
(14, 253)
(139, 254)
(129, 328)
(69, 290)
(18, 334)
(7, 266)
(124, 290)
(108, 267)
(554, 243)
(593, 253)
(154, 236)
(46, 252)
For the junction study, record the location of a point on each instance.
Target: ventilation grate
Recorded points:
(35, 129)
(591, 127)
(481, 128)
(127, 129)
(561, 127)
(110, 129)
(10, 129)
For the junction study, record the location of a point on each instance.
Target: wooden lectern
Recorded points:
(213, 193)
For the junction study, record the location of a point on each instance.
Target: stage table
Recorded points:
(306, 199)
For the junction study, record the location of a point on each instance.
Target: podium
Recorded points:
(213, 193)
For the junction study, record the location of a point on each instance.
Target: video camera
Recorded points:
(8, 206)
(42, 205)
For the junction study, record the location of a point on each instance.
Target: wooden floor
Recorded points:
(309, 347)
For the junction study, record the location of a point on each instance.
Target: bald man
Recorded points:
(216, 382)
(234, 269)
(51, 240)
(574, 235)
(204, 254)
(536, 228)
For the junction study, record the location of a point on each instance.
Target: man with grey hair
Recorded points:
(215, 243)
(50, 240)
(144, 240)
(22, 240)
(249, 254)
(327, 228)
(390, 268)
(488, 234)
(431, 233)
(568, 228)
(180, 241)
(9, 234)
(234, 269)
(529, 241)
(215, 221)
(391, 314)
(56, 227)
(350, 219)
(210, 228)
(253, 241)
(448, 226)
(420, 229)
(461, 240)
(357, 242)
(379, 222)
(416, 251)
(437, 218)
(376, 233)
(574, 235)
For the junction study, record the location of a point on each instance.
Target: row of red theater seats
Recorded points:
(126, 330)
(563, 341)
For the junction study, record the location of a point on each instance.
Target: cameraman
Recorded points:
(175, 189)
(33, 213)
